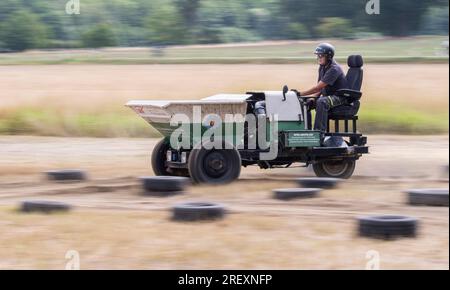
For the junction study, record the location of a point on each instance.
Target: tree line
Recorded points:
(26, 24)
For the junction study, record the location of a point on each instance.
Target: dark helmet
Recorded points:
(325, 49)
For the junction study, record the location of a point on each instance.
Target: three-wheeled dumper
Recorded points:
(210, 139)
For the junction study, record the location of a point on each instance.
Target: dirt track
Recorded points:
(23, 158)
(115, 227)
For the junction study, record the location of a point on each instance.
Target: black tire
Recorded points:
(44, 206)
(387, 227)
(214, 166)
(159, 158)
(319, 182)
(196, 211)
(164, 185)
(159, 161)
(428, 197)
(293, 193)
(66, 175)
(342, 169)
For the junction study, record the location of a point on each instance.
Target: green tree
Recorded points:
(334, 27)
(7, 7)
(401, 17)
(100, 35)
(217, 19)
(435, 21)
(188, 10)
(234, 34)
(297, 31)
(44, 23)
(23, 30)
(308, 12)
(164, 24)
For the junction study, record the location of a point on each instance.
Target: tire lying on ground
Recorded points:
(387, 226)
(293, 193)
(430, 197)
(164, 185)
(197, 211)
(319, 182)
(66, 175)
(44, 206)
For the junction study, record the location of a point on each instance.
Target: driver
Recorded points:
(331, 79)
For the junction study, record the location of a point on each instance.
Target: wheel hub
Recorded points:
(215, 164)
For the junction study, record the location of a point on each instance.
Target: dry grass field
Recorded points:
(87, 100)
(114, 227)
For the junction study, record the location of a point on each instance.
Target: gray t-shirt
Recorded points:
(334, 77)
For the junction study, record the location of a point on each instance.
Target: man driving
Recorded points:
(331, 79)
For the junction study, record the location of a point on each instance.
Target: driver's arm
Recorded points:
(314, 91)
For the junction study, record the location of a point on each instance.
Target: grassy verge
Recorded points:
(401, 120)
(31, 121)
(419, 49)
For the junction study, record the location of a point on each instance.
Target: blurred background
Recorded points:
(112, 41)
(100, 23)
(67, 68)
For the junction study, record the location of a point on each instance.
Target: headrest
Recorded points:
(355, 61)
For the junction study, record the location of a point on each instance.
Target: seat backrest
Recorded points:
(355, 72)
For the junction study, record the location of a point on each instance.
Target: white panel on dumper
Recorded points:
(288, 110)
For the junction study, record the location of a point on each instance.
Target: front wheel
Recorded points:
(159, 158)
(159, 161)
(215, 166)
(336, 168)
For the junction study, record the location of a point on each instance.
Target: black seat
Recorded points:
(354, 79)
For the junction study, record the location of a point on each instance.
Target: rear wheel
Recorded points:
(336, 168)
(216, 166)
